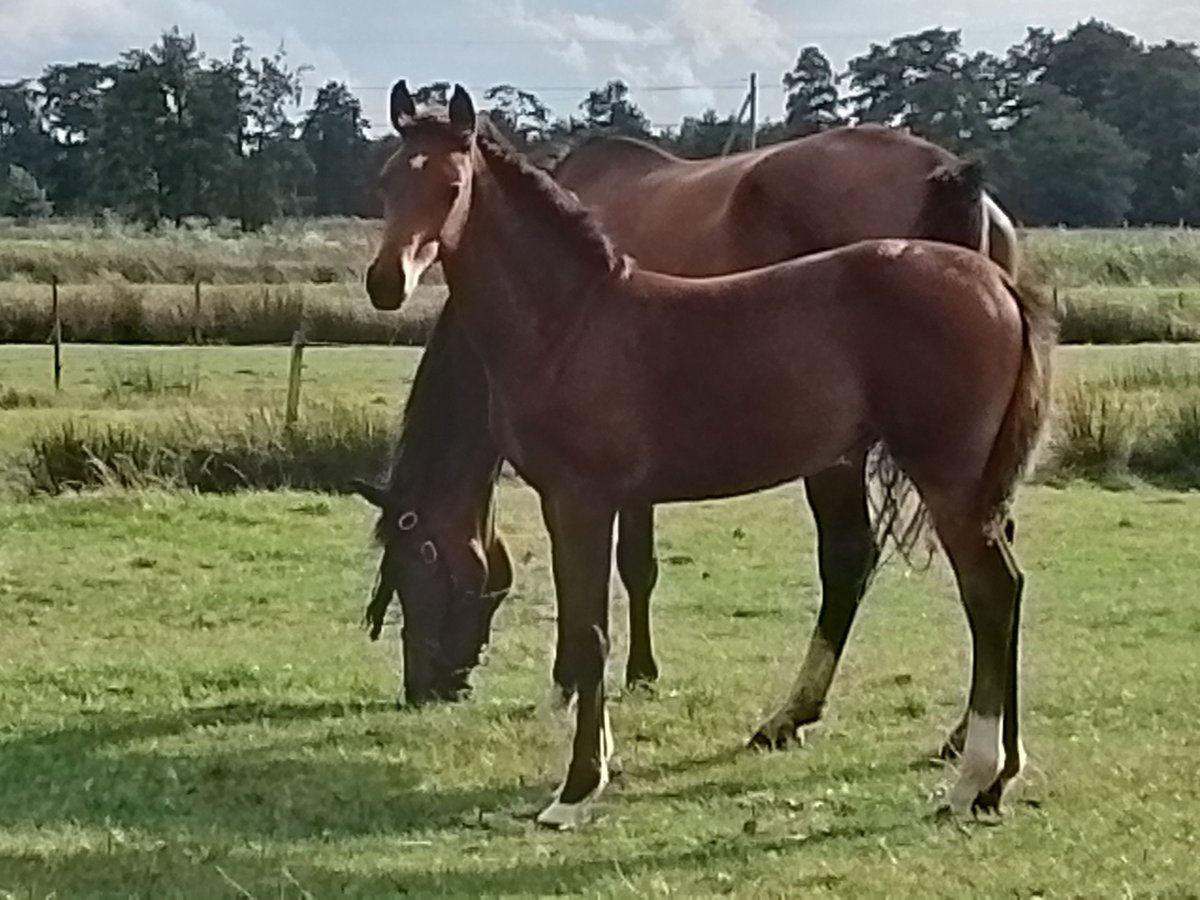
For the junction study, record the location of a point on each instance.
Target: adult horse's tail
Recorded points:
(1028, 406)
(959, 211)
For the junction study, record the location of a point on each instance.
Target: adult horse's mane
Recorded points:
(425, 431)
(546, 198)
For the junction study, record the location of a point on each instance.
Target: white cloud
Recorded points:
(567, 33)
(677, 44)
(714, 29)
(674, 69)
(101, 29)
(573, 54)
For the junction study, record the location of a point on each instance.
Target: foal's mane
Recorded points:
(543, 197)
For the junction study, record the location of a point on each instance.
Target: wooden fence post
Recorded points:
(196, 315)
(292, 413)
(56, 332)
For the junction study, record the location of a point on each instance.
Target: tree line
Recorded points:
(1093, 127)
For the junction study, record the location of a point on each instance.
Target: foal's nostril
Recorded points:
(382, 291)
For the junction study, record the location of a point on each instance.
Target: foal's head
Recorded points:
(425, 185)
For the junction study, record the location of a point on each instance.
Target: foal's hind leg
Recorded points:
(952, 748)
(847, 554)
(990, 585)
(639, 573)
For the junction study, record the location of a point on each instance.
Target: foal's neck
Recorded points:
(525, 266)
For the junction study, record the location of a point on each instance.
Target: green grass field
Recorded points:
(188, 706)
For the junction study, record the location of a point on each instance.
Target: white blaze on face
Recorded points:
(418, 256)
(417, 161)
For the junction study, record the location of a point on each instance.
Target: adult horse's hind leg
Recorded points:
(847, 555)
(639, 573)
(990, 585)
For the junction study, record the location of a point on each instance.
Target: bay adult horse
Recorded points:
(681, 217)
(613, 386)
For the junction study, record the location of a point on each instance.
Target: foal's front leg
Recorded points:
(581, 548)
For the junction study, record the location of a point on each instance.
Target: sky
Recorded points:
(679, 56)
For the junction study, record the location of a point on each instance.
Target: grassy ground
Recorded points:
(124, 285)
(326, 250)
(77, 252)
(1119, 411)
(120, 313)
(187, 708)
(109, 383)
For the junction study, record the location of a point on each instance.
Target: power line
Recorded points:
(574, 89)
(737, 85)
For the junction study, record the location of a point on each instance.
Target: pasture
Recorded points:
(188, 706)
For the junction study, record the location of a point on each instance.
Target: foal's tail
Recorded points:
(1028, 407)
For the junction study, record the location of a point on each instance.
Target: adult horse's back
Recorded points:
(712, 216)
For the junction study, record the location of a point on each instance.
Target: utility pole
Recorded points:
(753, 110)
(733, 130)
(750, 103)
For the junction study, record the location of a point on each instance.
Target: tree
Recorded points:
(23, 138)
(71, 99)
(273, 169)
(1090, 64)
(1024, 65)
(609, 110)
(125, 171)
(520, 115)
(1069, 168)
(435, 94)
(811, 103)
(1156, 106)
(700, 137)
(22, 197)
(924, 82)
(334, 135)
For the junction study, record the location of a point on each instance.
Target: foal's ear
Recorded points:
(462, 110)
(403, 106)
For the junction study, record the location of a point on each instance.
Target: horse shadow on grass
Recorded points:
(182, 871)
(132, 771)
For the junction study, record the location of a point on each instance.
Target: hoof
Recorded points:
(640, 680)
(779, 733)
(988, 802)
(561, 816)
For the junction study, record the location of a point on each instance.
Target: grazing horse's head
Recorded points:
(425, 185)
(445, 606)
